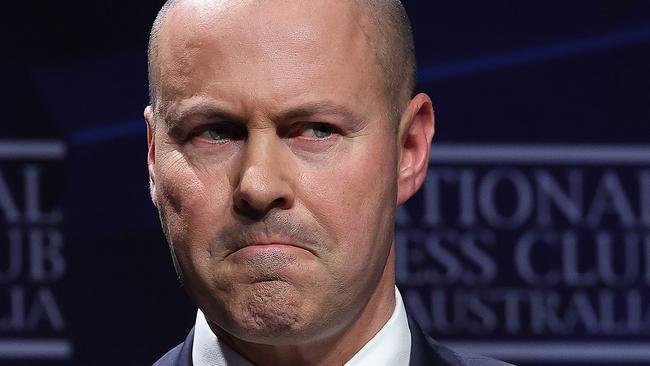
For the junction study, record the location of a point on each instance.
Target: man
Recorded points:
(282, 136)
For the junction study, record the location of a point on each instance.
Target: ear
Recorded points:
(151, 152)
(415, 134)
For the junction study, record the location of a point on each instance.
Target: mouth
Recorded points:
(270, 249)
(275, 244)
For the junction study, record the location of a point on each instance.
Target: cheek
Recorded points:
(190, 197)
(355, 197)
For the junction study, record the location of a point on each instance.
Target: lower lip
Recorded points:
(271, 249)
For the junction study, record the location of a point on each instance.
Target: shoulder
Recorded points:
(170, 358)
(180, 355)
(458, 359)
(425, 351)
(475, 360)
(484, 361)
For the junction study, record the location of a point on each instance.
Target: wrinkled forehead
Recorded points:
(315, 31)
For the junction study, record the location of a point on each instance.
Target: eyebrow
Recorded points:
(354, 121)
(174, 117)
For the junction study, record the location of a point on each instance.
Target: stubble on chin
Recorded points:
(264, 296)
(265, 311)
(270, 266)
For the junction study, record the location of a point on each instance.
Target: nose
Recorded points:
(264, 182)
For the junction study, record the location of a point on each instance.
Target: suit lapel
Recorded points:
(427, 352)
(185, 355)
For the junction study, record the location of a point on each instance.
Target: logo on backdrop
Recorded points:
(530, 243)
(32, 261)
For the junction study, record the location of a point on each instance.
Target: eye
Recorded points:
(221, 132)
(317, 131)
(217, 133)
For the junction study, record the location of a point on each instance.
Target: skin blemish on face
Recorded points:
(272, 319)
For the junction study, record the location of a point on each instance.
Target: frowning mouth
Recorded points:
(276, 232)
(270, 249)
(263, 244)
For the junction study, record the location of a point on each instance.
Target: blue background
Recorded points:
(501, 71)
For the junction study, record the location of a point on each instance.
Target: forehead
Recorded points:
(273, 50)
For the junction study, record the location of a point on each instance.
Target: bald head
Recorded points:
(385, 26)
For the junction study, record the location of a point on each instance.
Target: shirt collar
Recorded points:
(391, 346)
(208, 350)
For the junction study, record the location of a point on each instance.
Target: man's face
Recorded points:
(274, 165)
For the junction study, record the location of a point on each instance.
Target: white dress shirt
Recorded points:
(391, 346)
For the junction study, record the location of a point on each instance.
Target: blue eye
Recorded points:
(218, 133)
(316, 131)
(221, 132)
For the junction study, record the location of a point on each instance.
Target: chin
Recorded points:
(270, 312)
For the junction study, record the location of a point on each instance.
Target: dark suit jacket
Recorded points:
(424, 352)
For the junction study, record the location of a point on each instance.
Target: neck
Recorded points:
(335, 349)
